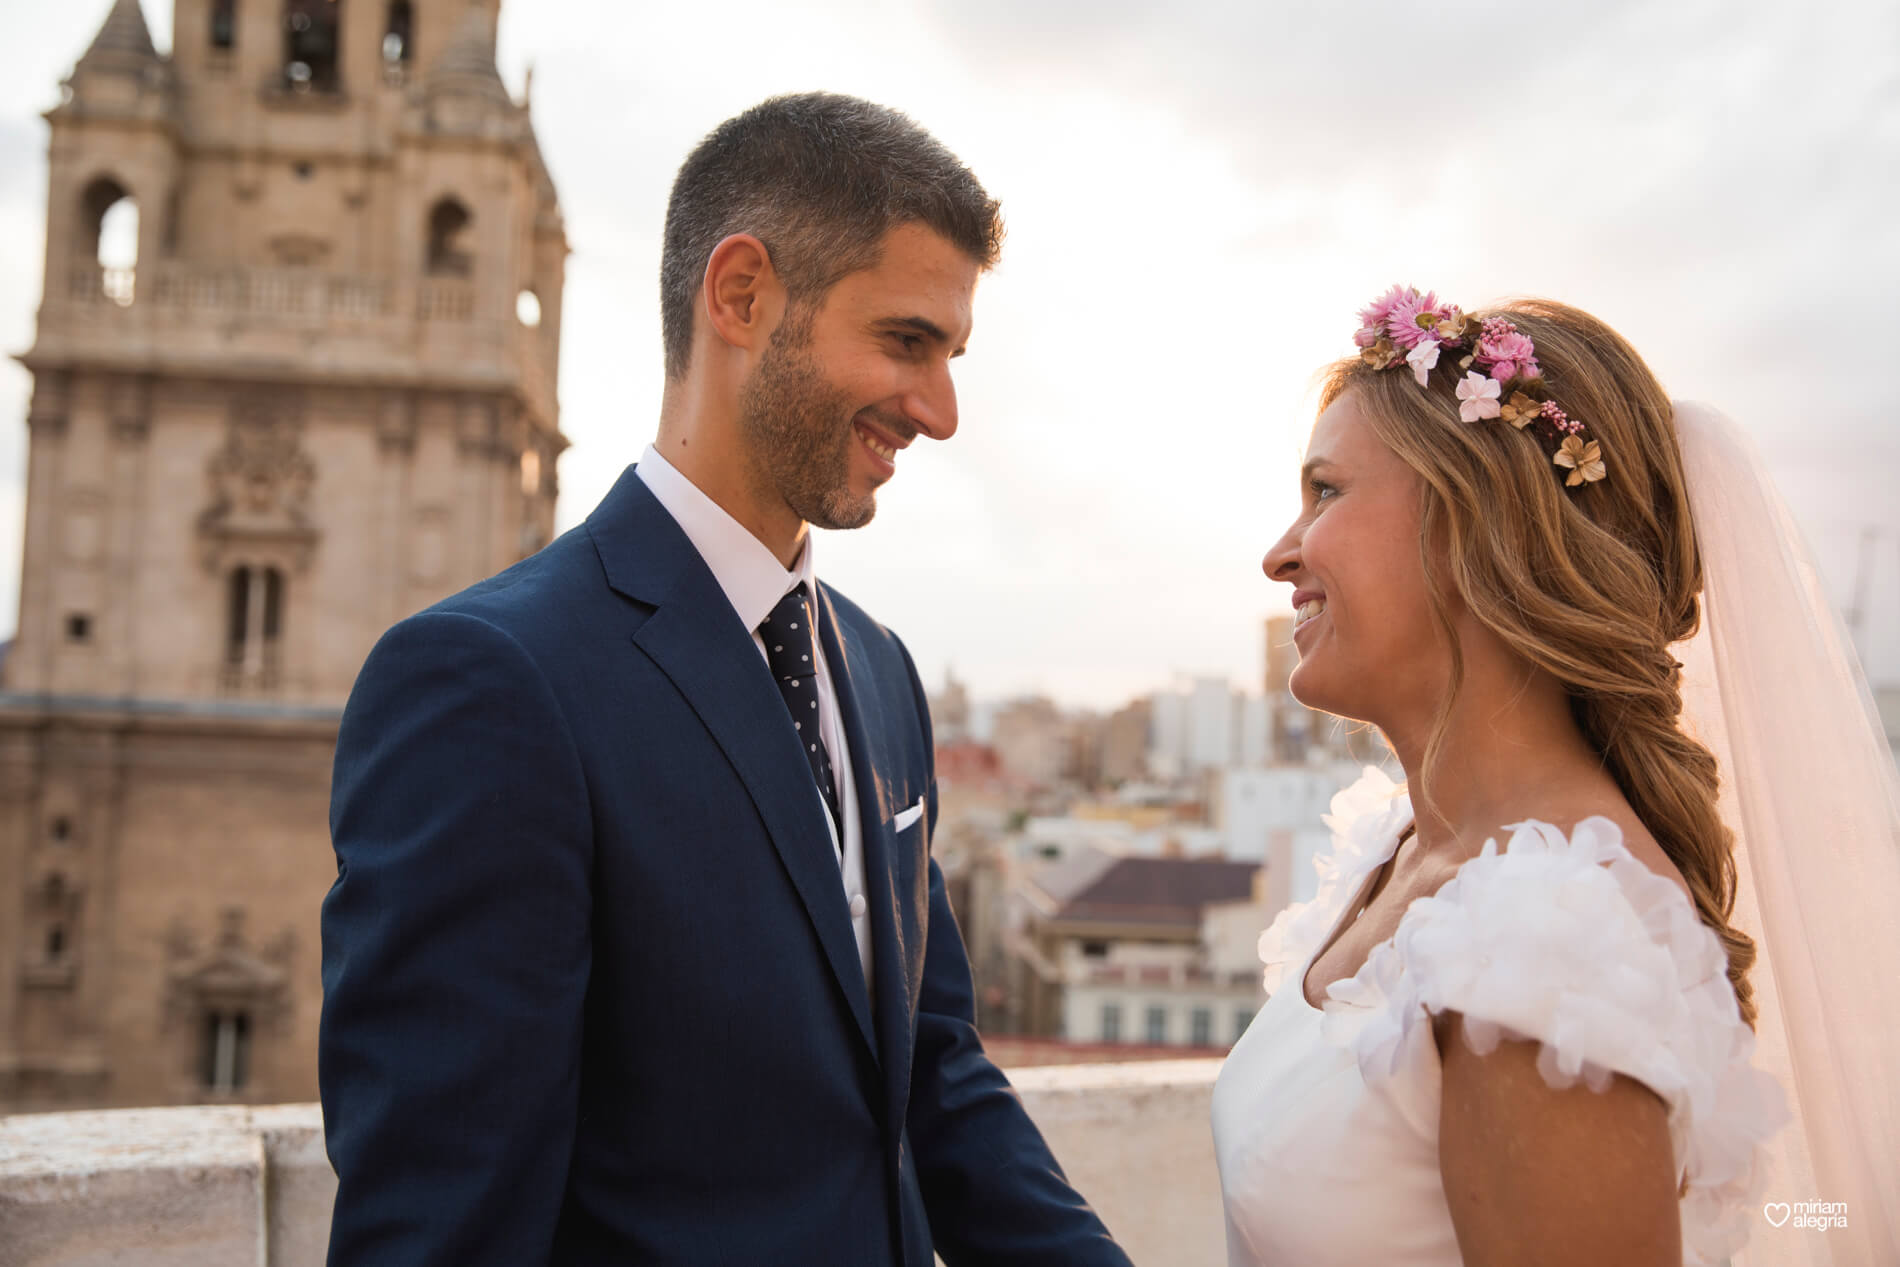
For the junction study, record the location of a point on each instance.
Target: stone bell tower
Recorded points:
(294, 379)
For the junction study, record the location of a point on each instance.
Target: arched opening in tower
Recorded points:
(108, 241)
(312, 44)
(399, 34)
(448, 252)
(224, 24)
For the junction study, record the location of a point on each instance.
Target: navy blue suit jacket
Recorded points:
(591, 993)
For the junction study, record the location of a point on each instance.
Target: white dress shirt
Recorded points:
(754, 582)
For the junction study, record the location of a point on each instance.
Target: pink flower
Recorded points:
(1478, 397)
(1412, 317)
(1422, 358)
(1372, 317)
(1506, 352)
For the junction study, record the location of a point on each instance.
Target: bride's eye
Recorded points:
(1321, 490)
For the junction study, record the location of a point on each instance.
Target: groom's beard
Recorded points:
(799, 432)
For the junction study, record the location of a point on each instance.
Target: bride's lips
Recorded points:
(1308, 607)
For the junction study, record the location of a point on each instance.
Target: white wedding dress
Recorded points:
(1326, 1122)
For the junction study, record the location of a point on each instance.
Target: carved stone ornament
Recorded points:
(299, 250)
(260, 490)
(230, 974)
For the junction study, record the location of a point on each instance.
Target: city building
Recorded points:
(1274, 816)
(950, 712)
(1151, 951)
(1125, 743)
(1203, 724)
(1036, 742)
(293, 379)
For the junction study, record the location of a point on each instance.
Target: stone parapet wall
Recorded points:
(237, 1187)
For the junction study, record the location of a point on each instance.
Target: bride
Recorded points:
(1517, 1023)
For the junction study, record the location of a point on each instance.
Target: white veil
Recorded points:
(1809, 787)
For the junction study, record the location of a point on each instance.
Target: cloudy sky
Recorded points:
(1199, 196)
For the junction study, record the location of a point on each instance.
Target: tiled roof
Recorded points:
(1098, 888)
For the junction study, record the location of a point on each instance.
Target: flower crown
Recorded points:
(1403, 327)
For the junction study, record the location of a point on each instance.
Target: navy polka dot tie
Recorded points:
(788, 650)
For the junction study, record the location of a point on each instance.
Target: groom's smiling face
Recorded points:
(1369, 648)
(849, 381)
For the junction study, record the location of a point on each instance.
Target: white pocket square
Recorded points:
(907, 817)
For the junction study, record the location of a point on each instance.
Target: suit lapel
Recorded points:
(890, 872)
(695, 639)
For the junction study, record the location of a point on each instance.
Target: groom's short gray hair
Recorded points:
(819, 178)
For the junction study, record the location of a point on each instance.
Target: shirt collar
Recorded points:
(746, 570)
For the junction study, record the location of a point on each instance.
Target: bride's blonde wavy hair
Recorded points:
(1591, 584)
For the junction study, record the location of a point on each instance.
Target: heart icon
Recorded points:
(1777, 1212)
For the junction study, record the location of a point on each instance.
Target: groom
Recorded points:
(636, 953)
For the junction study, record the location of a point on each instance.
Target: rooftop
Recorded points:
(1095, 887)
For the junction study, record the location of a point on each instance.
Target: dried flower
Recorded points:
(1422, 358)
(1381, 355)
(1520, 409)
(1583, 457)
(1479, 397)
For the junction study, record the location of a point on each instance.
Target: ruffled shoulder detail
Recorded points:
(1366, 820)
(1574, 944)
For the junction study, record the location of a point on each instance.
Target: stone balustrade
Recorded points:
(186, 317)
(216, 293)
(251, 1187)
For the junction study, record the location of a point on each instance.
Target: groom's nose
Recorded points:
(931, 402)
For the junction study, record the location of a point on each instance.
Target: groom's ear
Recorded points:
(741, 295)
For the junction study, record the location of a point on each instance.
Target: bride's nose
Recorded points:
(1283, 560)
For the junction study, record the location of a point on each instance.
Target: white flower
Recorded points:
(1421, 358)
(1479, 397)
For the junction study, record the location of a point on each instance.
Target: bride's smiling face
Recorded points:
(1368, 645)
